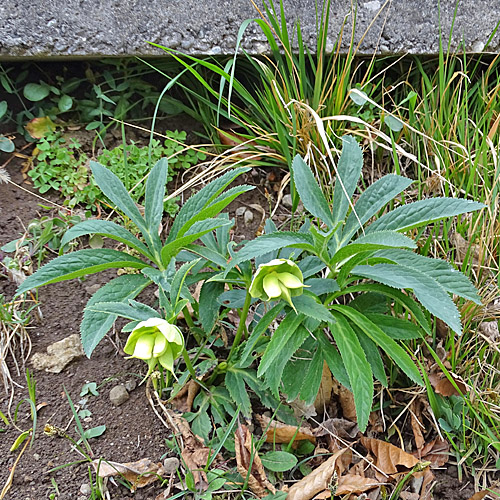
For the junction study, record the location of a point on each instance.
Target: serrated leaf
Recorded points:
(373, 199)
(312, 379)
(348, 172)
(178, 281)
(95, 325)
(108, 229)
(396, 328)
(278, 461)
(310, 193)
(372, 356)
(76, 264)
(201, 199)
(285, 330)
(320, 286)
(114, 189)
(155, 192)
(453, 281)
(357, 367)
(333, 360)
(271, 242)
(35, 92)
(427, 290)
(235, 384)
(123, 310)
(371, 242)
(422, 212)
(306, 305)
(195, 232)
(395, 351)
(209, 305)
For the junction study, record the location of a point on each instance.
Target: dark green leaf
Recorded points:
(95, 325)
(76, 264)
(348, 171)
(235, 384)
(312, 379)
(35, 92)
(209, 304)
(306, 305)
(396, 328)
(310, 193)
(333, 360)
(357, 367)
(155, 192)
(123, 310)
(64, 103)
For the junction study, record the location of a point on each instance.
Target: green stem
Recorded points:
(241, 326)
(190, 368)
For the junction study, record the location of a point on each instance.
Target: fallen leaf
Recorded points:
(436, 452)
(183, 401)
(40, 127)
(325, 389)
(317, 481)
(237, 143)
(444, 387)
(416, 425)
(139, 474)
(249, 464)
(346, 400)
(388, 457)
(277, 432)
(490, 329)
(353, 483)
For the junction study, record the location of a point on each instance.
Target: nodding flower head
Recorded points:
(278, 279)
(155, 341)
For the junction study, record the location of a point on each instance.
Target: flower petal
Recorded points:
(144, 347)
(167, 360)
(160, 344)
(289, 280)
(271, 286)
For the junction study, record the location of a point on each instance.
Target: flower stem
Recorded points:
(190, 368)
(241, 326)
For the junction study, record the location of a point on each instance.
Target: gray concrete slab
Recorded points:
(98, 28)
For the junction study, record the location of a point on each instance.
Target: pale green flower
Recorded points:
(155, 341)
(278, 279)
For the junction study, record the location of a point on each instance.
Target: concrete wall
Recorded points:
(97, 28)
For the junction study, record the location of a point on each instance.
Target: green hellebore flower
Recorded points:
(155, 341)
(278, 279)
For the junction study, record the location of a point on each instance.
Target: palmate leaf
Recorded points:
(427, 290)
(108, 229)
(395, 351)
(453, 281)
(94, 325)
(348, 173)
(79, 263)
(310, 193)
(422, 212)
(373, 199)
(357, 367)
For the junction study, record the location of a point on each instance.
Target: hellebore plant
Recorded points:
(155, 341)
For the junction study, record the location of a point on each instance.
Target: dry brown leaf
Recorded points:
(183, 401)
(491, 493)
(277, 432)
(325, 389)
(139, 474)
(388, 457)
(249, 464)
(346, 399)
(444, 387)
(353, 483)
(317, 481)
(237, 143)
(436, 452)
(416, 424)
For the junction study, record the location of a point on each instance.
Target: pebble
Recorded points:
(36, 456)
(240, 211)
(130, 385)
(92, 288)
(118, 395)
(85, 489)
(287, 201)
(170, 465)
(248, 217)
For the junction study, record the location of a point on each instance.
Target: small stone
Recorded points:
(170, 465)
(92, 288)
(287, 201)
(130, 385)
(118, 395)
(36, 456)
(85, 489)
(59, 354)
(240, 211)
(248, 217)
